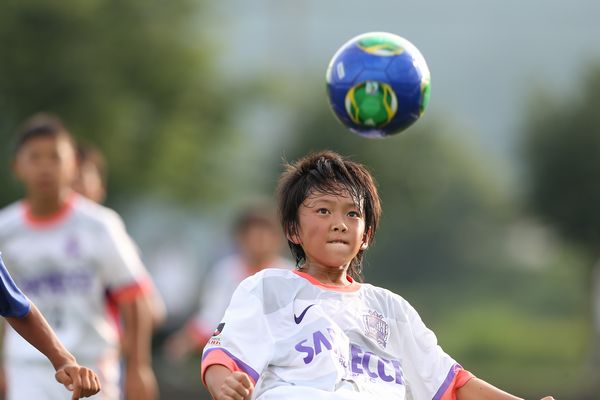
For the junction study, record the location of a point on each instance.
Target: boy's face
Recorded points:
(88, 182)
(45, 164)
(259, 243)
(331, 229)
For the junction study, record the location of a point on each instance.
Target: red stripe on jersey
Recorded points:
(352, 287)
(460, 379)
(46, 221)
(112, 311)
(220, 357)
(131, 291)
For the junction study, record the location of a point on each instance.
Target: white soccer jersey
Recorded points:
(220, 283)
(69, 265)
(300, 339)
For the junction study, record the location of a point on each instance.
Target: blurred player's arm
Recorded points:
(140, 382)
(193, 336)
(223, 384)
(156, 305)
(184, 342)
(477, 389)
(34, 328)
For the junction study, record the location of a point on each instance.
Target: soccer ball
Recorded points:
(378, 84)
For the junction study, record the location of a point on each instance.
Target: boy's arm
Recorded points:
(477, 389)
(223, 384)
(140, 382)
(34, 328)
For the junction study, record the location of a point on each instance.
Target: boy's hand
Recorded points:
(82, 381)
(236, 386)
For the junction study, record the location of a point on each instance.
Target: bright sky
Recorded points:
(485, 57)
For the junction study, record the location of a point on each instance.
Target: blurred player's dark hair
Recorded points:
(40, 125)
(259, 212)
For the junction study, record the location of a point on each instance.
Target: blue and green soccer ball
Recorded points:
(378, 84)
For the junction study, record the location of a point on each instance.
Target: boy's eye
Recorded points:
(322, 211)
(353, 214)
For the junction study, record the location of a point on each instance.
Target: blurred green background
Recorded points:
(491, 224)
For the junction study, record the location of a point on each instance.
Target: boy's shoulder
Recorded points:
(274, 288)
(12, 218)
(386, 296)
(94, 213)
(271, 275)
(271, 280)
(11, 212)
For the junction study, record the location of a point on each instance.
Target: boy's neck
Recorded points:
(40, 205)
(327, 275)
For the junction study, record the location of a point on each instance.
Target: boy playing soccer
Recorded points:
(70, 255)
(317, 333)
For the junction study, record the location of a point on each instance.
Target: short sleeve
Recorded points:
(13, 302)
(243, 340)
(430, 372)
(125, 275)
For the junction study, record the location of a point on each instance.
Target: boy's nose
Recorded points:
(339, 227)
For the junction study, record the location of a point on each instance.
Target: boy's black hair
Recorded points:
(330, 173)
(40, 125)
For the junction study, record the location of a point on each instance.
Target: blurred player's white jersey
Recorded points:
(69, 266)
(217, 289)
(300, 339)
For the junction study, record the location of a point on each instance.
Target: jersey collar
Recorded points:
(48, 221)
(353, 287)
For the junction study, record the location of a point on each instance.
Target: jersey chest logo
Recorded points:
(375, 327)
(299, 318)
(72, 247)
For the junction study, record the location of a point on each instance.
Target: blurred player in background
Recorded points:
(69, 255)
(25, 318)
(259, 241)
(90, 182)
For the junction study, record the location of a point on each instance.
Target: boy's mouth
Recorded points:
(340, 241)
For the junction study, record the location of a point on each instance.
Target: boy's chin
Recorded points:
(338, 262)
(47, 191)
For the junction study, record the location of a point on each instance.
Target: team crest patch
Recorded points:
(376, 328)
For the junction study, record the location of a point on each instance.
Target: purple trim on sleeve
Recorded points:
(242, 365)
(449, 378)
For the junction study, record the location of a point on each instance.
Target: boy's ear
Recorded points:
(292, 238)
(365, 240)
